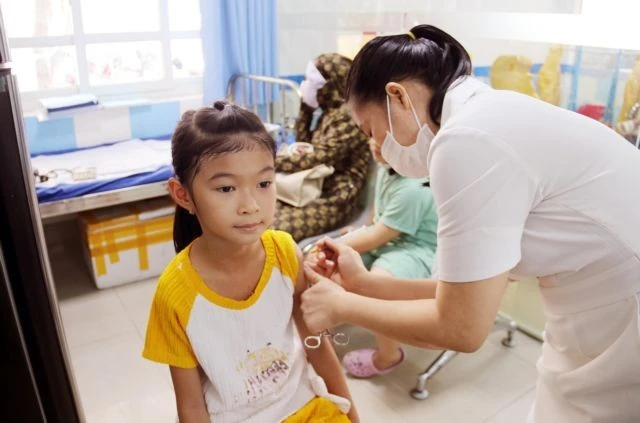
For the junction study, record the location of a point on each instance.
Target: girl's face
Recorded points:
(235, 195)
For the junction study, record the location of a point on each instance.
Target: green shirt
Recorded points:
(407, 206)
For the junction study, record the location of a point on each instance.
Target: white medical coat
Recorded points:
(527, 187)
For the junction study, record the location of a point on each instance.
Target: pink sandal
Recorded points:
(359, 363)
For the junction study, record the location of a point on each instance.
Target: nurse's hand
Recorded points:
(321, 303)
(340, 263)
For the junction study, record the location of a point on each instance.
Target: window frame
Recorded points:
(169, 87)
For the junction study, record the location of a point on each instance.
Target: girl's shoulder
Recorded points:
(410, 190)
(283, 250)
(175, 289)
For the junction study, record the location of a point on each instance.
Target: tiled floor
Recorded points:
(105, 328)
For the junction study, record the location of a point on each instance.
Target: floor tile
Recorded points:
(516, 412)
(471, 388)
(136, 298)
(525, 347)
(371, 408)
(94, 317)
(115, 381)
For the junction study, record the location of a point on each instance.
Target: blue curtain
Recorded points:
(237, 36)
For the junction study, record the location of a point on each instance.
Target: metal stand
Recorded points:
(420, 391)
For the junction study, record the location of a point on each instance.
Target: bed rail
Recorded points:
(275, 100)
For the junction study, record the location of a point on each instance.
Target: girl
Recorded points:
(224, 309)
(400, 241)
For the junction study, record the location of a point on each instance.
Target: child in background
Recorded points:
(224, 309)
(400, 240)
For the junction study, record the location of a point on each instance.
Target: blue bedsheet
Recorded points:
(66, 191)
(62, 192)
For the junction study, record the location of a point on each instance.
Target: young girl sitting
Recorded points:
(400, 240)
(224, 309)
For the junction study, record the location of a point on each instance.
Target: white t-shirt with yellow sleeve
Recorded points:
(255, 365)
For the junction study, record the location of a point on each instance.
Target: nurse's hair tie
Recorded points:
(410, 34)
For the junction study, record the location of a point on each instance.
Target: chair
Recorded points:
(421, 393)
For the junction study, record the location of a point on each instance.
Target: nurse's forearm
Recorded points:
(390, 288)
(416, 322)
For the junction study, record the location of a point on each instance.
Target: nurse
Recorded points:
(521, 187)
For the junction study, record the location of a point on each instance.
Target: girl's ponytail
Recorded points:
(186, 228)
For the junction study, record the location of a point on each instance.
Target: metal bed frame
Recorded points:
(259, 85)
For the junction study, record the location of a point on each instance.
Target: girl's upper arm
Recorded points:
(187, 387)
(301, 282)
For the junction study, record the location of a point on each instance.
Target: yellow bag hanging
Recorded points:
(631, 91)
(549, 76)
(512, 73)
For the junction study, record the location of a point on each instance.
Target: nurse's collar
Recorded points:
(460, 91)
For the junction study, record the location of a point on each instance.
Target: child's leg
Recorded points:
(369, 362)
(389, 353)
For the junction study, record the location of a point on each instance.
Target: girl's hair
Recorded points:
(392, 172)
(426, 54)
(205, 133)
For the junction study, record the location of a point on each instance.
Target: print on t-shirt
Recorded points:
(264, 371)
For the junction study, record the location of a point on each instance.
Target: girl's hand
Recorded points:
(322, 302)
(340, 263)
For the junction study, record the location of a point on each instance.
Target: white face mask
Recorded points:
(409, 161)
(313, 81)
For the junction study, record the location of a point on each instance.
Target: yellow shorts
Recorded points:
(318, 410)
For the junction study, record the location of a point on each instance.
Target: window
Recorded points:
(111, 48)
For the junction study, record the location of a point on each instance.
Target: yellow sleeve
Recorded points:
(286, 254)
(166, 339)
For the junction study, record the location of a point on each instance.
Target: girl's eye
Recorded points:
(225, 189)
(265, 184)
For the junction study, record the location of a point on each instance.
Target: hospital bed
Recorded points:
(275, 100)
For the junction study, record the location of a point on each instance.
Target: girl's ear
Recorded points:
(180, 195)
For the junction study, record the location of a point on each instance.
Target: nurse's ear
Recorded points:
(398, 93)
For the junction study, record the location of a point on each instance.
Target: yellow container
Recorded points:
(130, 242)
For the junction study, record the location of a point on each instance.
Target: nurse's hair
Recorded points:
(206, 133)
(425, 53)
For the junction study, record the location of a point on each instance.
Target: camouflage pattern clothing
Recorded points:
(337, 141)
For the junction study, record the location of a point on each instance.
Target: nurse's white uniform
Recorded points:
(527, 187)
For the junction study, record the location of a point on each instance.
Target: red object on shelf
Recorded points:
(594, 111)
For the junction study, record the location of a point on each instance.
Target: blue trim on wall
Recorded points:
(51, 135)
(153, 120)
(478, 71)
(483, 71)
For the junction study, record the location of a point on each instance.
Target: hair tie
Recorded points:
(410, 34)
(219, 105)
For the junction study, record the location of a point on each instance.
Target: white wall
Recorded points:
(308, 28)
(487, 28)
